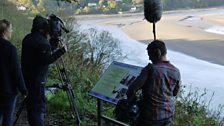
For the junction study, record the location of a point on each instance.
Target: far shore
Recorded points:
(131, 14)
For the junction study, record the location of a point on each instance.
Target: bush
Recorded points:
(192, 110)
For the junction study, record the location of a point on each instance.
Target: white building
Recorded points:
(92, 4)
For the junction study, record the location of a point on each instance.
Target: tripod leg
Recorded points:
(73, 106)
(23, 103)
(66, 83)
(17, 117)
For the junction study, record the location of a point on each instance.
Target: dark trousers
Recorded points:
(7, 107)
(36, 107)
(164, 122)
(35, 119)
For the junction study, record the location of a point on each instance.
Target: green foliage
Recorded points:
(102, 2)
(55, 101)
(192, 110)
(86, 9)
(20, 22)
(111, 4)
(127, 1)
(136, 2)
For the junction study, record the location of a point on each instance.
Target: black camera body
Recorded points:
(127, 111)
(56, 26)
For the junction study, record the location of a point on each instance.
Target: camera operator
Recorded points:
(11, 78)
(159, 81)
(36, 57)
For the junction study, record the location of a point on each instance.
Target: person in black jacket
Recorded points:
(11, 78)
(36, 57)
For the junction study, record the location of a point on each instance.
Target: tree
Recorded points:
(111, 4)
(127, 1)
(135, 2)
(83, 3)
(86, 9)
(102, 3)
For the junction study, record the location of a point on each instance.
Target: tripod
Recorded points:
(66, 86)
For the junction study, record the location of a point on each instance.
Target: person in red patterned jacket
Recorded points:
(159, 82)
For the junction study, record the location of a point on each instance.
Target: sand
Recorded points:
(169, 29)
(188, 37)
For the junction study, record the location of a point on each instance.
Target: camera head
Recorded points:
(56, 26)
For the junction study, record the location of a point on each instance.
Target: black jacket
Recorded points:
(11, 78)
(36, 57)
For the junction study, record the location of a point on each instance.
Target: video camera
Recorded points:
(126, 111)
(56, 26)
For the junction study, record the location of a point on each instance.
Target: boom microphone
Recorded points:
(152, 10)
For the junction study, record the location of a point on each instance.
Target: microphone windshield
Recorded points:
(153, 10)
